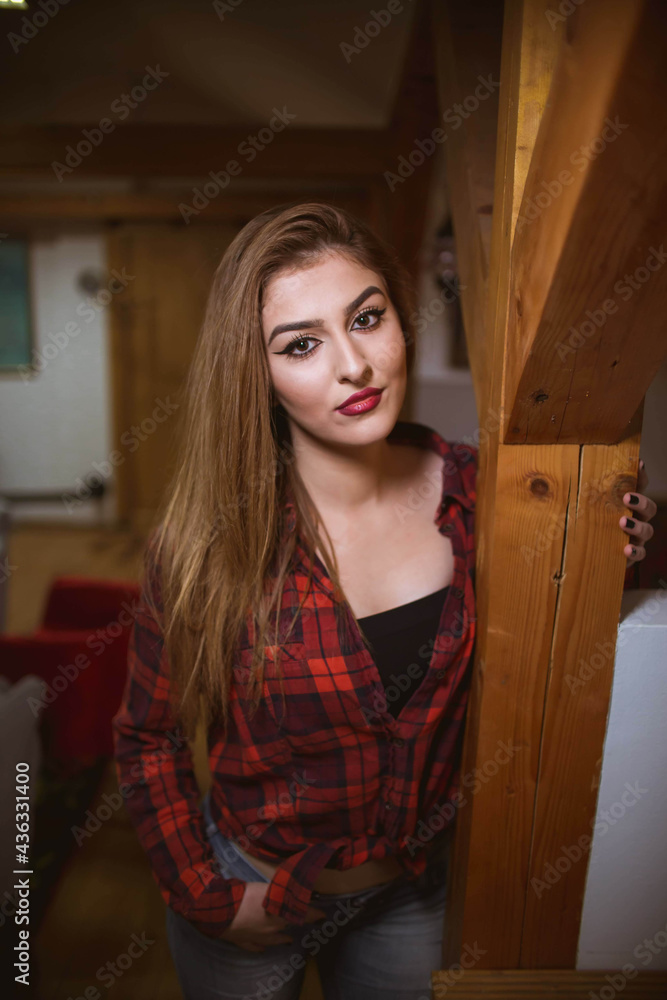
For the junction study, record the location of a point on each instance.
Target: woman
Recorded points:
(309, 596)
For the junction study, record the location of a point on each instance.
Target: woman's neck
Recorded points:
(348, 478)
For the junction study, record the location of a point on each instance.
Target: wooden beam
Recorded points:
(413, 118)
(491, 847)
(590, 287)
(467, 39)
(156, 150)
(550, 571)
(554, 984)
(583, 628)
(18, 211)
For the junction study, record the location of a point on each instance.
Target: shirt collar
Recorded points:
(426, 437)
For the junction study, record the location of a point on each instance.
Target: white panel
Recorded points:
(56, 423)
(624, 917)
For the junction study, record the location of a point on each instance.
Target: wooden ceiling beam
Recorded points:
(157, 150)
(589, 281)
(406, 176)
(468, 43)
(22, 212)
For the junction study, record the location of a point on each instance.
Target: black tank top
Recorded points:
(394, 640)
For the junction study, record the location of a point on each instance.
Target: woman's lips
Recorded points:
(362, 405)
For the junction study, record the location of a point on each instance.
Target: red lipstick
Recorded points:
(361, 402)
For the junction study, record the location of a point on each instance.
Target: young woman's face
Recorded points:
(331, 331)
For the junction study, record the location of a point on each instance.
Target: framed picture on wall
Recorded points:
(15, 313)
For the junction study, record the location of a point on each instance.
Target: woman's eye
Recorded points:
(294, 348)
(371, 311)
(297, 343)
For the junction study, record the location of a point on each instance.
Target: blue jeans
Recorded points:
(381, 943)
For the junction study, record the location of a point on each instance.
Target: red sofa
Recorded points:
(80, 652)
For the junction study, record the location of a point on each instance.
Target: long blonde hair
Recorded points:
(219, 533)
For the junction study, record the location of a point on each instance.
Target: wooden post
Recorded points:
(550, 561)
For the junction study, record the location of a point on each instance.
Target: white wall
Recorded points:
(443, 396)
(624, 917)
(56, 422)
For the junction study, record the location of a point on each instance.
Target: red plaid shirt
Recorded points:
(333, 781)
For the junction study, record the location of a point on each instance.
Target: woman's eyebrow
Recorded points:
(307, 324)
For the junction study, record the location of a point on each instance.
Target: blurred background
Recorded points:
(117, 201)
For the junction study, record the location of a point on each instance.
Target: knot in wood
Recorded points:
(539, 487)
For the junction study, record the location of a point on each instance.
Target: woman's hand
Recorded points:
(253, 928)
(637, 525)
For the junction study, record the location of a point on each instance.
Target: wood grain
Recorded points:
(550, 570)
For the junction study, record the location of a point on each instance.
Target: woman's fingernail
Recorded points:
(634, 499)
(641, 463)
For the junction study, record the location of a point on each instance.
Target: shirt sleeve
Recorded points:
(290, 890)
(157, 781)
